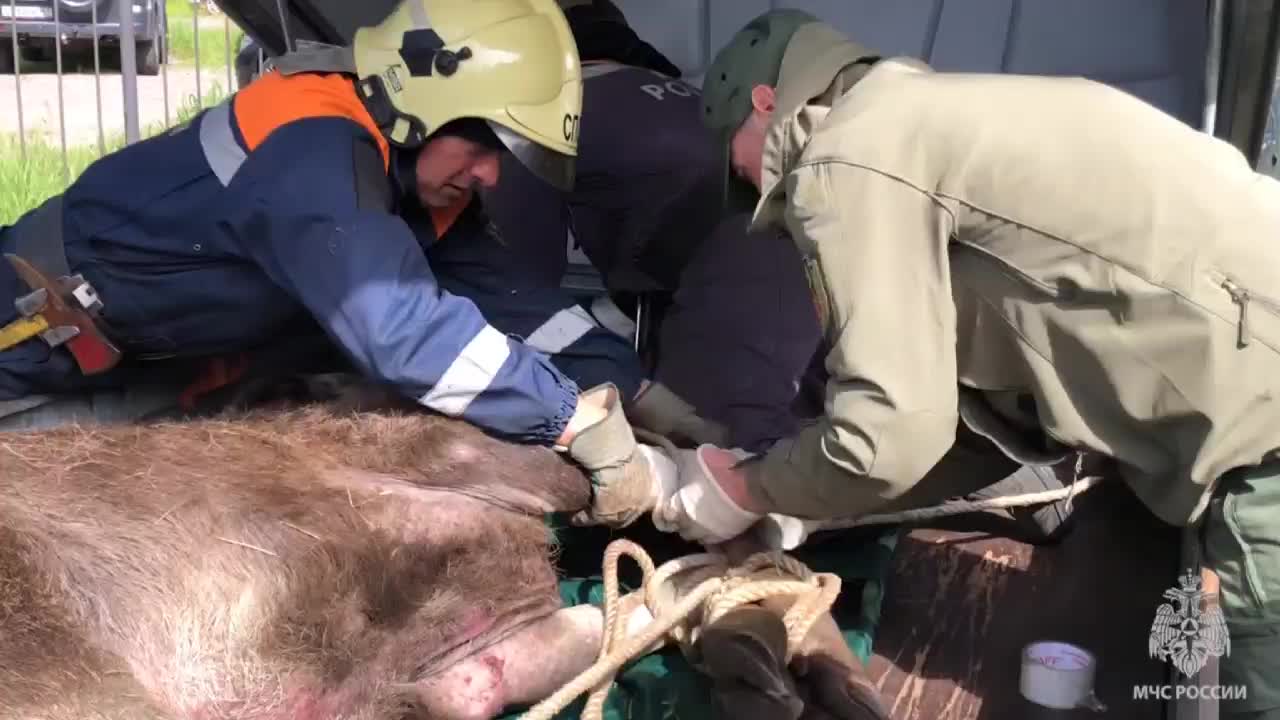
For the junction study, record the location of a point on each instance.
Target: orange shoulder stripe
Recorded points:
(274, 100)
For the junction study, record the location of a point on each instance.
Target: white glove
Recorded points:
(664, 471)
(784, 532)
(699, 509)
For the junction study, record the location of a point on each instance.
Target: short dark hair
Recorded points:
(474, 129)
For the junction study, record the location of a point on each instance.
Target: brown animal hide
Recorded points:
(284, 564)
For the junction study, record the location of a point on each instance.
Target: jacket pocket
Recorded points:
(1247, 300)
(960, 251)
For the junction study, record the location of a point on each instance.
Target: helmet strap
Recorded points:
(373, 93)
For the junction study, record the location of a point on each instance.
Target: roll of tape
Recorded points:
(1059, 676)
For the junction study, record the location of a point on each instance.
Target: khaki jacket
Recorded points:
(1031, 253)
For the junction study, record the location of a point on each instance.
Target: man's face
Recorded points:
(746, 147)
(448, 166)
(746, 150)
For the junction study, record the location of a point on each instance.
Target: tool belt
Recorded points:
(62, 309)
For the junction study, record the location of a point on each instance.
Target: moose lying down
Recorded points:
(338, 560)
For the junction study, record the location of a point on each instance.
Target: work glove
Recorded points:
(626, 478)
(659, 410)
(699, 510)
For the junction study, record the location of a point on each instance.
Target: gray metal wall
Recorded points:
(1153, 48)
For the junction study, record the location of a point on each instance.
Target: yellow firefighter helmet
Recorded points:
(510, 63)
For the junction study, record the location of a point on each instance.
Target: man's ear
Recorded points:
(762, 98)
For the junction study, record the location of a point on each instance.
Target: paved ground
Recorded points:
(79, 99)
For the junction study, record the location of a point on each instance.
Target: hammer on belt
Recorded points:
(46, 312)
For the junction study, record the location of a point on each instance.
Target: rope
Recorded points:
(1079, 484)
(719, 590)
(962, 507)
(949, 508)
(1075, 480)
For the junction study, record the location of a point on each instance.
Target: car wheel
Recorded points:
(148, 58)
(81, 11)
(6, 58)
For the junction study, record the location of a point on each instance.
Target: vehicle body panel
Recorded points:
(1211, 64)
(35, 19)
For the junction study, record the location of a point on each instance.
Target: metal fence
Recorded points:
(173, 88)
(28, 25)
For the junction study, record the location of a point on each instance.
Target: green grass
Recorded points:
(213, 48)
(30, 179)
(178, 9)
(213, 40)
(26, 184)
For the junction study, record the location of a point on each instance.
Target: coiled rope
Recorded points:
(720, 588)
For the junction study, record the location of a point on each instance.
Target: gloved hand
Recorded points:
(657, 409)
(624, 476)
(700, 510)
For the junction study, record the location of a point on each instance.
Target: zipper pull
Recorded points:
(1241, 297)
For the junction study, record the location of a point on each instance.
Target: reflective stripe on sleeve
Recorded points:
(470, 374)
(612, 318)
(564, 328)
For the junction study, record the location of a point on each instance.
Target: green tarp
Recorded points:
(663, 686)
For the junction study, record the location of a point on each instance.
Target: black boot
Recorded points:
(744, 653)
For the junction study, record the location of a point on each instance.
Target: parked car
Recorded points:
(37, 31)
